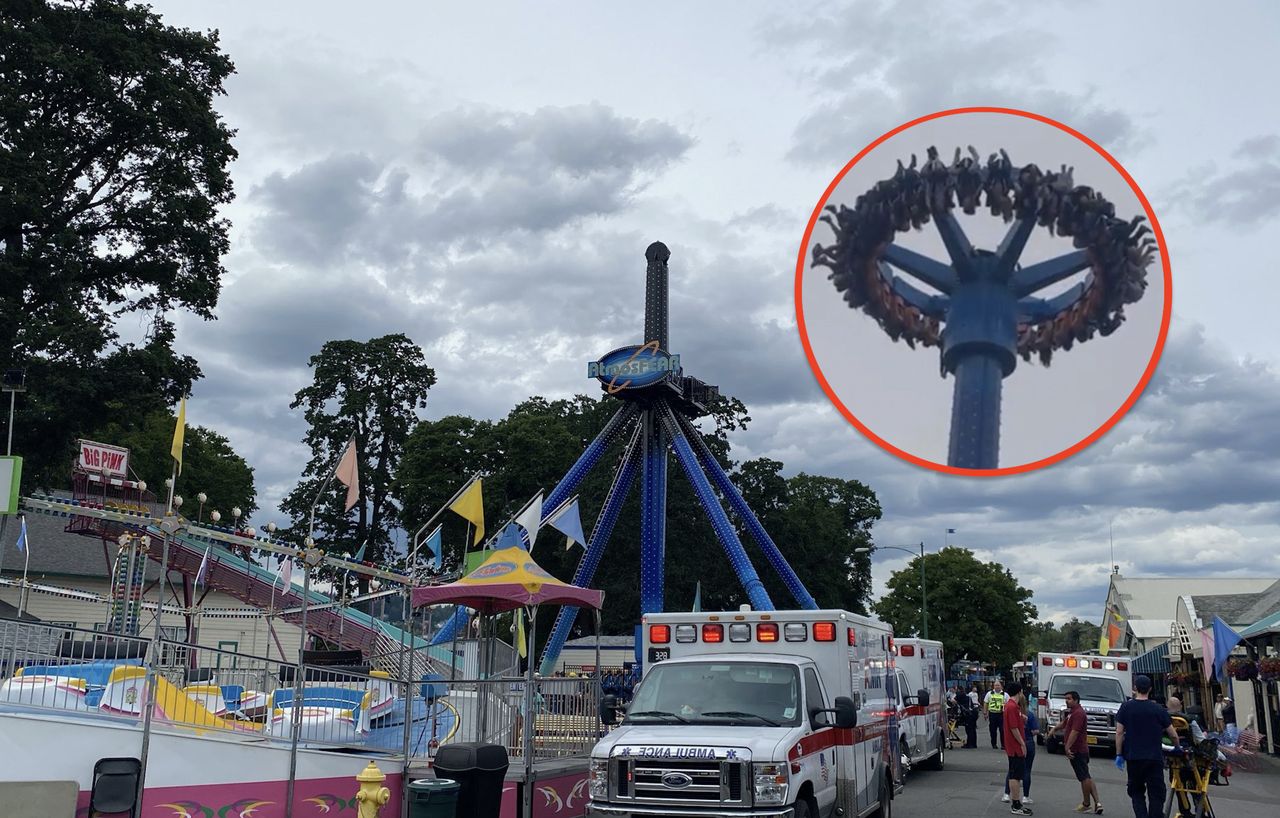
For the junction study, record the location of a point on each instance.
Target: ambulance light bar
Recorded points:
(795, 632)
(714, 632)
(739, 632)
(1083, 663)
(686, 634)
(767, 632)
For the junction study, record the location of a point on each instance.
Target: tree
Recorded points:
(816, 521)
(976, 609)
(1075, 636)
(113, 165)
(209, 464)
(372, 390)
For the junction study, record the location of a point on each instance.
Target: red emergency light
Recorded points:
(659, 634)
(906, 650)
(1097, 664)
(853, 637)
(1046, 661)
(1122, 665)
(824, 631)
(713, 633)
(767, 632)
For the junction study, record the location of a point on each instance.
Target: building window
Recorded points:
(171, 654)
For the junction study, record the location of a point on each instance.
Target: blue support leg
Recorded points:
(653, 515)
(730, 492)
(715, 513)
(586, 571)
(589, 458)
(456, 623)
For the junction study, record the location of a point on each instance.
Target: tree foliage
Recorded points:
(209, 464)
(976, 609)
(372, 390)
(816, 521)
(113, 165)
(1074, 636)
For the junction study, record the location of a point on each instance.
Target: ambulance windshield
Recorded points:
(1090, 688)
(747, 693)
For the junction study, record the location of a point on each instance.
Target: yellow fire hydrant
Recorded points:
(372, 794)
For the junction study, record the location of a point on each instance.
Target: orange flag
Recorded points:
(348, 474)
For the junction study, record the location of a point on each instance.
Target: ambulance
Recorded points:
(922, 727)
(758, 714)
(1103, 683)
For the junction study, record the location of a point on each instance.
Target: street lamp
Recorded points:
(924, 598)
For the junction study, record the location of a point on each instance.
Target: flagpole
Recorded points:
(26, 563)
(169, 523)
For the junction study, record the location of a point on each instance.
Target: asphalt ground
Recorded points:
(973, 781)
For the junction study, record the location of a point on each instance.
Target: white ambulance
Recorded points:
(922, 727)
(758, 714)
(1103, 683)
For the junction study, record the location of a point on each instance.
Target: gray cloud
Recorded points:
(1245, 192)
(978, 56)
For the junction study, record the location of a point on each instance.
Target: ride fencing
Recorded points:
(91, 674)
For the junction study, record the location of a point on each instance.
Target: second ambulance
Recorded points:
(1103, 683)
(922, 736)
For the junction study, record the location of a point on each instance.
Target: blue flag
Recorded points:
(22, 535)
(510, 538)
(569, 523)
(436, 547)
(359, 557)
(1224, 641)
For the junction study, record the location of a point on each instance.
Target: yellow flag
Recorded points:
(520, 637)
(471, 507)
(178, 432)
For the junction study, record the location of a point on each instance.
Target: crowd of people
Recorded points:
(1142, 723)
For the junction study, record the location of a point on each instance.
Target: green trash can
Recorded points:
(433, 798)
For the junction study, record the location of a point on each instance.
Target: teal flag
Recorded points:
(436, 547)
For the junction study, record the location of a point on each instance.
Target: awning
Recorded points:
(1154, 661)
(1268, 624)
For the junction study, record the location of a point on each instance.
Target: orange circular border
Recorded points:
(803, 258)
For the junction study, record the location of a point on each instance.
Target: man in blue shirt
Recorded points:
(1140, 723)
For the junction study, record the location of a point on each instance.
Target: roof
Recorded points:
(605, 642)
(1150, 628)
(1268, 624)
(1230, 608)
(1155, 598)
(53, 550)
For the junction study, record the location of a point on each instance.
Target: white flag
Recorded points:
(530, 517)
(285, 572)
(204, 566)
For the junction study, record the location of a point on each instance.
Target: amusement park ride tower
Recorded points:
(984, 311)
(659, 405)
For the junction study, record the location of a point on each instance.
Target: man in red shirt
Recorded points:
(1074, 728)
(1013, 727)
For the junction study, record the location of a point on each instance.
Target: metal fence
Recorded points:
(94, 674)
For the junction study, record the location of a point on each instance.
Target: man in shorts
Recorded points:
(1013, 725)
(1076, 743)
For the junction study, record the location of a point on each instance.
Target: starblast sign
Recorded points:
(99, 458)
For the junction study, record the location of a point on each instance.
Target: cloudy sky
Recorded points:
(486, 181)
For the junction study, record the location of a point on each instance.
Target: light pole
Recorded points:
(924, 595)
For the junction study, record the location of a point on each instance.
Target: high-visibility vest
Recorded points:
(995, 702)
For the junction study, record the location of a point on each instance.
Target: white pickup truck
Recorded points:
(754, 714)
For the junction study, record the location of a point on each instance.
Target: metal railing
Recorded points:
(102, 675)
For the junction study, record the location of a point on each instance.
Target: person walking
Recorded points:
(1218, 724)
(974, 699)
(1014, 727)
(1033, 725)
(993, 710)
(1074, 728)
(1230, 732)
(1139, 724)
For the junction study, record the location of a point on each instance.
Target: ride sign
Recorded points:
(633, 367)
(99, 458)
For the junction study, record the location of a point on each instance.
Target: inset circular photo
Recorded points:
(983, 291)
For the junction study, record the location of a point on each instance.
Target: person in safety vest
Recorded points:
(993, 710)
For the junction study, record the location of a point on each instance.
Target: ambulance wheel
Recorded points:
(936, 762)
(801, 809)
(885, 810)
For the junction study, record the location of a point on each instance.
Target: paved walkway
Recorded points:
(972, 783)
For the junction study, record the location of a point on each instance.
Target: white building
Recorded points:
(1146, 604)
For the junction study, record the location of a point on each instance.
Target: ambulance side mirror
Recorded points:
(846, 713)
(609, 709)
(922, 697)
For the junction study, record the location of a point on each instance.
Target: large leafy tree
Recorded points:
(113, 165)
(816, 521)
(976, 609)
(1075, 635)
(372, 390)
(209, 464)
